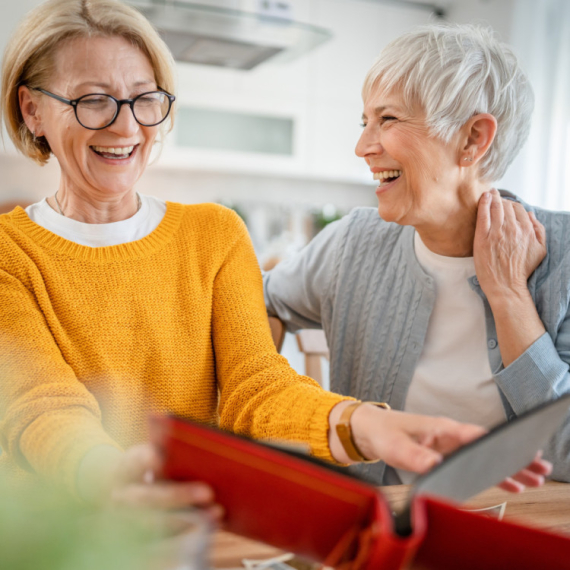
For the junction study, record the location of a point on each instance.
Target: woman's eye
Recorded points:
(386, 118)
(363, 125)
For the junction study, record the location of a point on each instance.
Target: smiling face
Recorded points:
(106, 162)
(419, 176)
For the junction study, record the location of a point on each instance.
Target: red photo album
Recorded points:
(318, 511)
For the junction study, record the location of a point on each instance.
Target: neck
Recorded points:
(452, 231)
(93, 210)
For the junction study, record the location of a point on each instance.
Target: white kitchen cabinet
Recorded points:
(319, 92)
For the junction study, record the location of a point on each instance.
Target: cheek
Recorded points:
(147, 145)
(149, 135)
(423, 163)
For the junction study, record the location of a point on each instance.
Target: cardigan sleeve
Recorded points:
(296, 288)
(48, 419)
(260, 395)
(538, 375)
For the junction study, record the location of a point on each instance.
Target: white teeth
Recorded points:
(114, 150)
(387, 174)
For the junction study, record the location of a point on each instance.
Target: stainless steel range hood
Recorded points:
(197, 33)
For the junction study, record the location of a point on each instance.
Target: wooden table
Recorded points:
(547, 507)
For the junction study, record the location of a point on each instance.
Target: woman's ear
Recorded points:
(478, 134)
(29, 106)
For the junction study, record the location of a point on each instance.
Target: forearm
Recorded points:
(517, 323)
(260, 395)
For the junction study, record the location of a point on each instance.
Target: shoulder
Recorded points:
(9, 224)
(357, 237)
(212, 230)
(557, 228)
(7, 220)
(15, 260)
(211, 219)
(368, 218)
(556, 223)
(365, 225)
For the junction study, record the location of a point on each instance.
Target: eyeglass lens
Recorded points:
(98, 111)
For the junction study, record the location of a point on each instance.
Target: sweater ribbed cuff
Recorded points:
(319, 426)
(58, 456)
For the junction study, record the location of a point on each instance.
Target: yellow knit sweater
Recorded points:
(93, 339)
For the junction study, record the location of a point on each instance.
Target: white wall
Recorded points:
(495, 13)
(321, 91)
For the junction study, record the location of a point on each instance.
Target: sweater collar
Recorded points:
(144, 247)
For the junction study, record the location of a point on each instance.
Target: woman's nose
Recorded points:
(125, 123)
(368, 144)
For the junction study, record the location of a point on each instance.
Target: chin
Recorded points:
(386, 213)
(116, 184)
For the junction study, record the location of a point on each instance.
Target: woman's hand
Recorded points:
(418, 443)
(131, 479)
(136, 484)
(531, 476)
(509, 245)
(408, 441)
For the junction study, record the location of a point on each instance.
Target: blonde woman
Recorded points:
(114, 305)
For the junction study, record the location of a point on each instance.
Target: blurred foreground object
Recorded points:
(45, 531)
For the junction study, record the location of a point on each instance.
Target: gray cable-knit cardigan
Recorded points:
(360, 281)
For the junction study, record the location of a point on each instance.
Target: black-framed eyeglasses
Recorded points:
(96, 111)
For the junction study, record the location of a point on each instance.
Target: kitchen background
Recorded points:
(276, 141)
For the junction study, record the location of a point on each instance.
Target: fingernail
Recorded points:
(148, 477)
(202, 493)
(486, 195)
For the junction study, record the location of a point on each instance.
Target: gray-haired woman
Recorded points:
(455, 299)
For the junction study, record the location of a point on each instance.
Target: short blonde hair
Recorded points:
(29, 56)
(453, 72)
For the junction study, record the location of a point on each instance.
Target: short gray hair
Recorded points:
(454, 72)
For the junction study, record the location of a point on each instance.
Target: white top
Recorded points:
(453, 376)
(136, 227)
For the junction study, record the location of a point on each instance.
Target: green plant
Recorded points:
(44, 531)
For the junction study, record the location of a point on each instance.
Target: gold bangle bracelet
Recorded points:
(344, 431)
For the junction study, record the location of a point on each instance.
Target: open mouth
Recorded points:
(387, 176)
(114, 153)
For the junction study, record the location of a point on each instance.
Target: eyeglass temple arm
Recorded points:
(58, 97)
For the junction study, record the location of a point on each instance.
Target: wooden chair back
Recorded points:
(313, 344)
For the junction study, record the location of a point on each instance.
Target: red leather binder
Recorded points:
(325, 515)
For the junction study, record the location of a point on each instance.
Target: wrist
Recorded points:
(352, 425)
(96, 473)
(362, 420)
(336, 448)
(503, 297)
